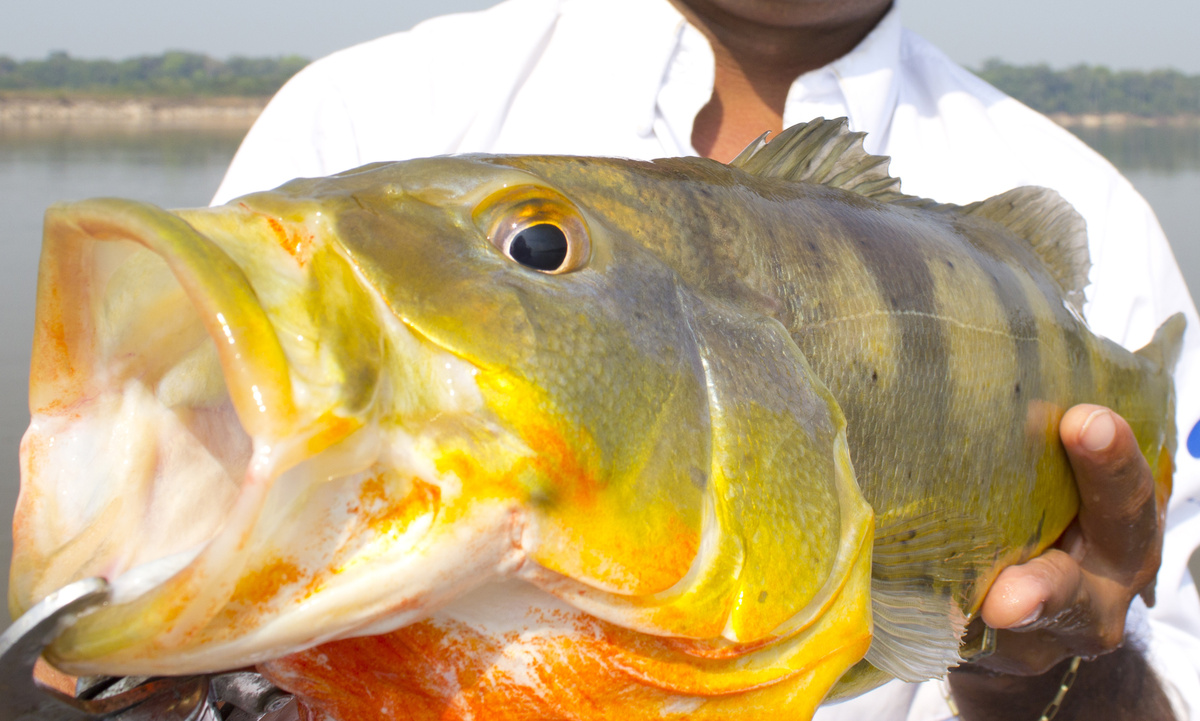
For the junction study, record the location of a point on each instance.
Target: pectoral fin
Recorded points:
(783, 485)
(923, 580)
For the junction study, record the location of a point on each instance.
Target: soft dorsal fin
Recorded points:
(1053, 228)
(829, 153)
(821, 151)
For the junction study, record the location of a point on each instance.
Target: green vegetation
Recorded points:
(1079, 90)
(1097, 90)
(172, 74)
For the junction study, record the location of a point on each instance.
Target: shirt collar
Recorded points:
(632, 44)
(868, 76)
(865, 79)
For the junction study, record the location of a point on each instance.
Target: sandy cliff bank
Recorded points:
(239, 112)
(1125, 120)
(150, 112)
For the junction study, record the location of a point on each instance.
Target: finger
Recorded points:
(1036, 608)
(1024, 597)
(1117, 513)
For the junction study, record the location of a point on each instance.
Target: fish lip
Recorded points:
(252, 360)
(74, 369)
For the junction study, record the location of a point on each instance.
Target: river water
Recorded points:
(182, 168)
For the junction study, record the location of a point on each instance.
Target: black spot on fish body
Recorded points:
(543, 498)
(1017, 389)
(762, 597)
(875, 377)
(1032, 543)
(950, 264)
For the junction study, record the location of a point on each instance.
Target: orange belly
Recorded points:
(567, 665)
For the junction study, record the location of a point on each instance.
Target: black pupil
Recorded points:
(541, 247)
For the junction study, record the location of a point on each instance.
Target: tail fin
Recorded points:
(1163, 352)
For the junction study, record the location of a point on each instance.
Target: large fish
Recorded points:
(555, 437)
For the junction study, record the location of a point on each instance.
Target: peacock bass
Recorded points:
(561, 437)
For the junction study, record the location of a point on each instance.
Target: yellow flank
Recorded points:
(594, 522)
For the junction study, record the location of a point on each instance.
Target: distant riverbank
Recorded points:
(87, 113)
(1125, 120)
(31, 112)
(180, 90)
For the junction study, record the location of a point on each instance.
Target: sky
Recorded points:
(1145, 35)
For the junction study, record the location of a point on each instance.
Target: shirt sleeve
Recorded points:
(305, 131)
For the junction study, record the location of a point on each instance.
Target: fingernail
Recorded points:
(1034, 615)
(1098, 431)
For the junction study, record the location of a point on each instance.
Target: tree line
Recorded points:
(175, 73)
(1091, 89)
(1079, 90)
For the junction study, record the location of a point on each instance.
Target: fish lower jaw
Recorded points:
(129, 584)
(393, 595)
(223, 548)
(122, 486)
(301, 558)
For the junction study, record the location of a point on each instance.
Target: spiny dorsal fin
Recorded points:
(821, 151)
(1051, 225)
(922, 574)
(827, 152)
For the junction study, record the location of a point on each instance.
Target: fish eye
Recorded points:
(541, 247)
(535, 227)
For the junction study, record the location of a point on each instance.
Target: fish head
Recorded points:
(327, 410)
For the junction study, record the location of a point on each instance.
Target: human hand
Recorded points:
(1072, 600)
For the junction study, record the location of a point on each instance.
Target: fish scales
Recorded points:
(910, 360)
(760, 421)
(859, 296)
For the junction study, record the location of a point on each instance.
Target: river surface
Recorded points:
(182, 168)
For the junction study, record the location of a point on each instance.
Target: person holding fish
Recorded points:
(652, 78)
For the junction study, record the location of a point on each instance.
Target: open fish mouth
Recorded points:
(195, 444)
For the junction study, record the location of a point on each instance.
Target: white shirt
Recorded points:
(627, 78)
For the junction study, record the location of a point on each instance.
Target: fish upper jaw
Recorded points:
(248, 485)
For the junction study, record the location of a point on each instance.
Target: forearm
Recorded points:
(1113, 687)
